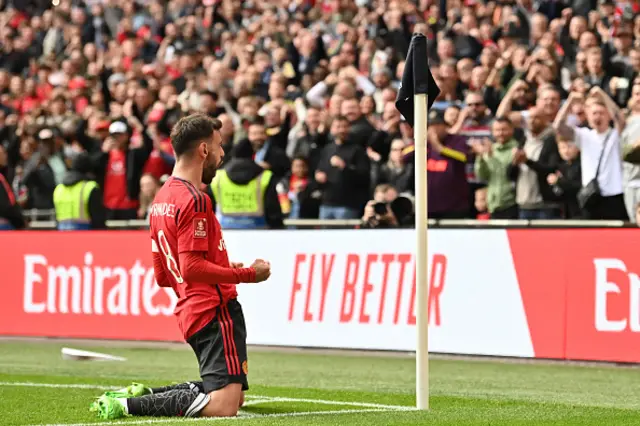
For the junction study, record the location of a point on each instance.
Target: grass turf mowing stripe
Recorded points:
(212, 419)
(58, 385)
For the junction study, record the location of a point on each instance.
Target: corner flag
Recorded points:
(416, 79)
(415, 97)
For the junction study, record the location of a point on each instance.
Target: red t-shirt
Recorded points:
(155, 164)
(115, 195)
(182, 220)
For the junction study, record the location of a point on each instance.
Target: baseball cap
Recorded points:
(45, 134)
(117, 127)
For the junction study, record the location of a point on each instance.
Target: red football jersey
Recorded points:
(182, 220)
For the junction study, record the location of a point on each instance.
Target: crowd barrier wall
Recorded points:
(543, 293)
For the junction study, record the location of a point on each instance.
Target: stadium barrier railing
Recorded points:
(45, 219)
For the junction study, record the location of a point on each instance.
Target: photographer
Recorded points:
(388, 209)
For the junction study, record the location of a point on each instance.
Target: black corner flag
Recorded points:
(416, 78)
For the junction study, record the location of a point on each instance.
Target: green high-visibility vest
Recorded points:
(233, 199)
(72, 202)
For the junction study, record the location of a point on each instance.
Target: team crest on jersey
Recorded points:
(245, 367)
(200, 228)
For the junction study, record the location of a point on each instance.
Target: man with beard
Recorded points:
(189, 255)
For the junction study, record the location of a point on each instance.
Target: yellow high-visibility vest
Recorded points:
(240, 206)
(72, 205)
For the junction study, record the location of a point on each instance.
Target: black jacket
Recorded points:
(568, 186)
(97, 211)
(9, 209)
(40, 182)
(547, 163)
(348, 187)
(242, 171)
(361, 131)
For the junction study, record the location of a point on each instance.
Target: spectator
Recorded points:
(446, 170)
(118, 169)
(492, 162)
(387, 209)
(342, 174)
(396, 171)
(10, 211)
(481, 204)
(78, 199)
(534, 160)
(567, 180)
(37, 174)
(309, 138)
(244, 193)
(296, 191)
(264, 152)
(360, 130)
(600, 153)
(149, 186)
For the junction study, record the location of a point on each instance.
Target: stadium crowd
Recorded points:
(307, 89)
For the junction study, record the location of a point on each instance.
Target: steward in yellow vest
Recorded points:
(78, 199)
(245, 197)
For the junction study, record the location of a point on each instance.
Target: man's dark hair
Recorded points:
(301, 158)
(503, 119)
(257, 121)
(211, 94)
(341, 118)
(191, 130)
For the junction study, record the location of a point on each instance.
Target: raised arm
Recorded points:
(614, 111)
(504, 109)
(560, 124)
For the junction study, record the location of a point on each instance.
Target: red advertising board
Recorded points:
(83, 284)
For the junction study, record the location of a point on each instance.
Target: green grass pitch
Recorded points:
(302, 388)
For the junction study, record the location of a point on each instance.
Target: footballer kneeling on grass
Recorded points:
(190, 256)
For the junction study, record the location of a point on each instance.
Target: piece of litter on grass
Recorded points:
(80, 355)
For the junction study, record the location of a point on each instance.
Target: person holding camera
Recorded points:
(387, 209)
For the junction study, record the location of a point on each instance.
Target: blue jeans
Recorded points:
(335, 212)
(539, 214)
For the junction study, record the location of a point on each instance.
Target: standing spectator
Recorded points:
(37, 175)
(396, 171)
(10, 211)
(360, 130)
(567, 180)
(532, 162)
(149, 186)
(118, 169)
(342, 174)
(309, 139)
(474, 121)
(295, 192)
(492, 162)
(78, 199)
(600, 153)
(259, 146)
(446, 170)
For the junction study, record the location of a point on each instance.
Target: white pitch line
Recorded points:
(58, 385)
(213, 419)
(344, 403)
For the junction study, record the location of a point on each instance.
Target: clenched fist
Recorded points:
(263, 270)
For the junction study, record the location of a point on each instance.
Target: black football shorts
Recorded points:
(221, 348)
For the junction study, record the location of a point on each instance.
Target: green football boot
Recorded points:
(134, 390)
(108, 408)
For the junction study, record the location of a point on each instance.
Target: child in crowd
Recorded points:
(567, 180)
(481, 204)
(291, 188)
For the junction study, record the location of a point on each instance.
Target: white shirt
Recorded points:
(591, 144)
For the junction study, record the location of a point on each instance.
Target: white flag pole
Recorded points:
(422, 289)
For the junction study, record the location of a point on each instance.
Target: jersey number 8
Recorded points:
(172, 264)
